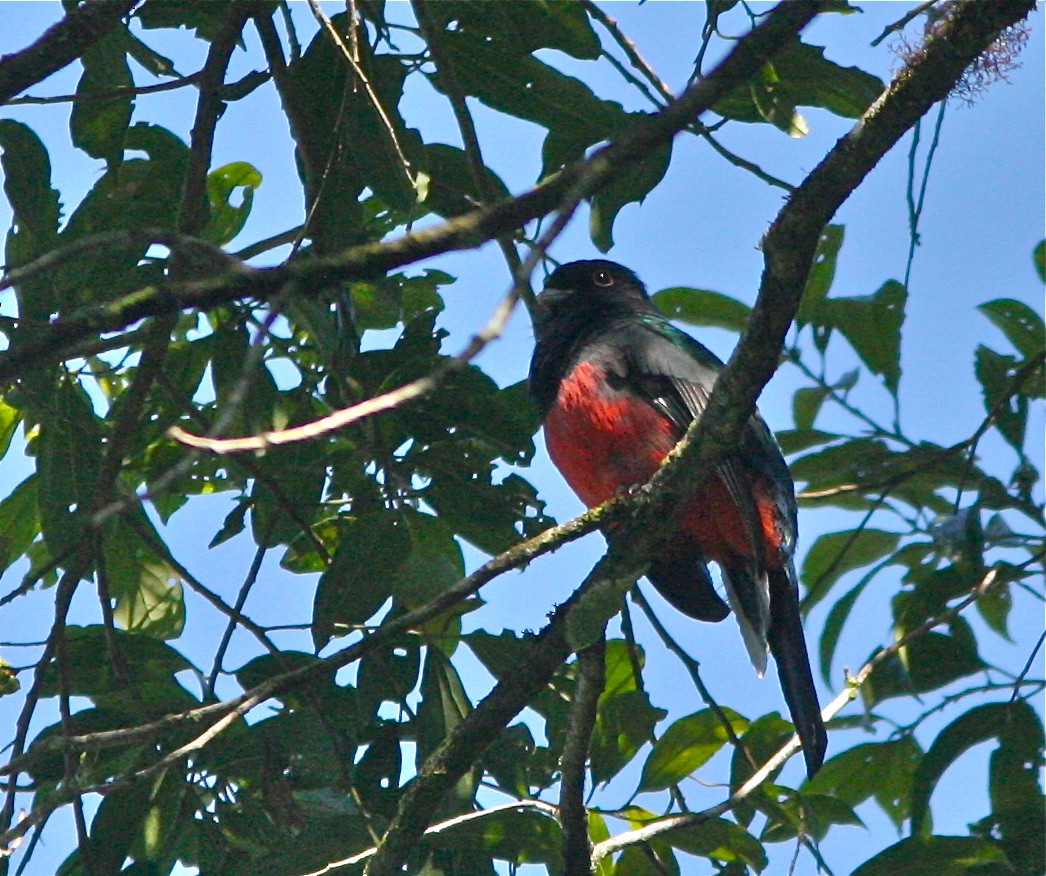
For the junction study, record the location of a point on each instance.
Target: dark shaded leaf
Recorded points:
(822, 275)
(625, 722)
(995, 374)
(452, 189)
(872, 324)
(69, 458)
(27, 184)
(202, 16)
(532, 90)
(625, 188)
(1039, 258)
(522, 28)
(358, 581)
(800, 75)
(1014, 724)
(933, 856)
(146, 684)
(377, 775)
(98, 124)
(702, 307)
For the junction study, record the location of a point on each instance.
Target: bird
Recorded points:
(617, 385)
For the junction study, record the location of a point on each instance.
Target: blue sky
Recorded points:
(700, 228)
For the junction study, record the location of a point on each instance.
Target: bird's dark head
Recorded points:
(590, 287)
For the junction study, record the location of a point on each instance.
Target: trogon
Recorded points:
(617, 386)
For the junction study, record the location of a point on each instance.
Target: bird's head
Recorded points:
(590, 287)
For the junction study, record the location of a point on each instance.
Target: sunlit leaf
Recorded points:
(686, 745)
(702, 307)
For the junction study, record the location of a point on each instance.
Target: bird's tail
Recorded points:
(788, 646)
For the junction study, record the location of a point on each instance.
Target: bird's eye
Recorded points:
(603, 278)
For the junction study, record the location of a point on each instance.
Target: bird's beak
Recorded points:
(547, 300)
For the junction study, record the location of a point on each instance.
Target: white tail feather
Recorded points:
(753, 630)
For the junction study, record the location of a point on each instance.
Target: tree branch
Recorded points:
(577, 849)
(465, 232)
(60, 45)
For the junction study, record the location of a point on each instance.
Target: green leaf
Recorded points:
(936, 659)
(836, 553)
(377, 774)
(98, 124)
(27, 183)
(794, 440)
(630, 187)
(933, 856)
(10, 417)
(1014, 724)
(720, 840)
(537, 92)
(994, 607)
(1039, 258)
(452, 189)
(35, 210)
(1022, 326)
(19, 522)
(822, 275)
(872, 324)
(879, 770)
(763, 738)
(995, 372)
(800, 75)
(147, 590)
(834, 623)
(227, 219)
(372, 546)
(522, 28)
(148, 665)
(444, 705)
(809, 814)
(69, 458)
(433, 564)
(202, 16)
(518, 836)
(806, 404)
(702, 307)
(624, 723)
(686, 745)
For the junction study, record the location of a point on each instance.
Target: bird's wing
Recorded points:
(675, 374)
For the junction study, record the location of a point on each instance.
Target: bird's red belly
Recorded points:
(603, 441)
